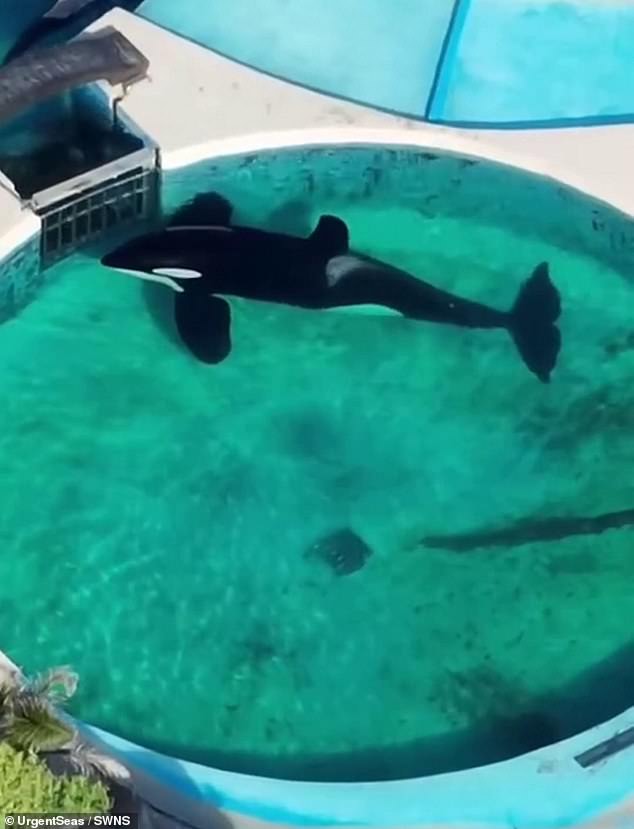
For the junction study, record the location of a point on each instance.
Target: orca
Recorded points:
(204, 258)
(65, 19)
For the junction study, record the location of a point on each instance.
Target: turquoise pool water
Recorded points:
(157, 512)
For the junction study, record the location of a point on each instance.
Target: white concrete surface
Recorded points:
(196, 103)
(9, 671)
(18, 223)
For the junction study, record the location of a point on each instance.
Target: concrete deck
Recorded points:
(196, 104)
(18, 224)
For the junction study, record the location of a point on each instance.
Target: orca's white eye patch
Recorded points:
(177, 273)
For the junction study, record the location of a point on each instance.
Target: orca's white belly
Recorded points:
(366, 310)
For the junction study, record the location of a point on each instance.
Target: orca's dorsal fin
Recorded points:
(204, 210)
(330, 236)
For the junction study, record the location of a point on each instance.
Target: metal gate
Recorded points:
(80, 210)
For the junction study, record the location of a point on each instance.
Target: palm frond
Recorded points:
(31, 722)
(8, 694)
(89, 761)
(5, 724)
(34, 726)
(57, 684)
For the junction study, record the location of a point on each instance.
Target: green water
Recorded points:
(156, 512)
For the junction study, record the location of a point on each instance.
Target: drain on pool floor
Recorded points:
(343, 551)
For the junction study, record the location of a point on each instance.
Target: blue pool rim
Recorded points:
(545, 789)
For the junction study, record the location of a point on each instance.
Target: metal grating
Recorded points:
(82, 217)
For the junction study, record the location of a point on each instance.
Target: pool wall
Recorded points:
(427, 179)
(546, 789)
(20, 277)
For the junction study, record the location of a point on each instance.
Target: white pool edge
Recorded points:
(454, 142)
(20, 228)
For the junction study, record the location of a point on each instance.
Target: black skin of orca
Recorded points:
(317, 272)
(48, 30)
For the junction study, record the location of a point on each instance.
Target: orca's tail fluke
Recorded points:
(532, 323)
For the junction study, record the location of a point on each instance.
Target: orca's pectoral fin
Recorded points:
(204, 325)
(331, 236)
(533, 323)
(205, 209)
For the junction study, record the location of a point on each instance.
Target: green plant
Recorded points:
(26, 785)
(31, 721)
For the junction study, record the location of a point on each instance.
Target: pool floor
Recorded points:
(157, 513)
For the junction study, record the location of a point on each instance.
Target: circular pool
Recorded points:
(173, 530)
